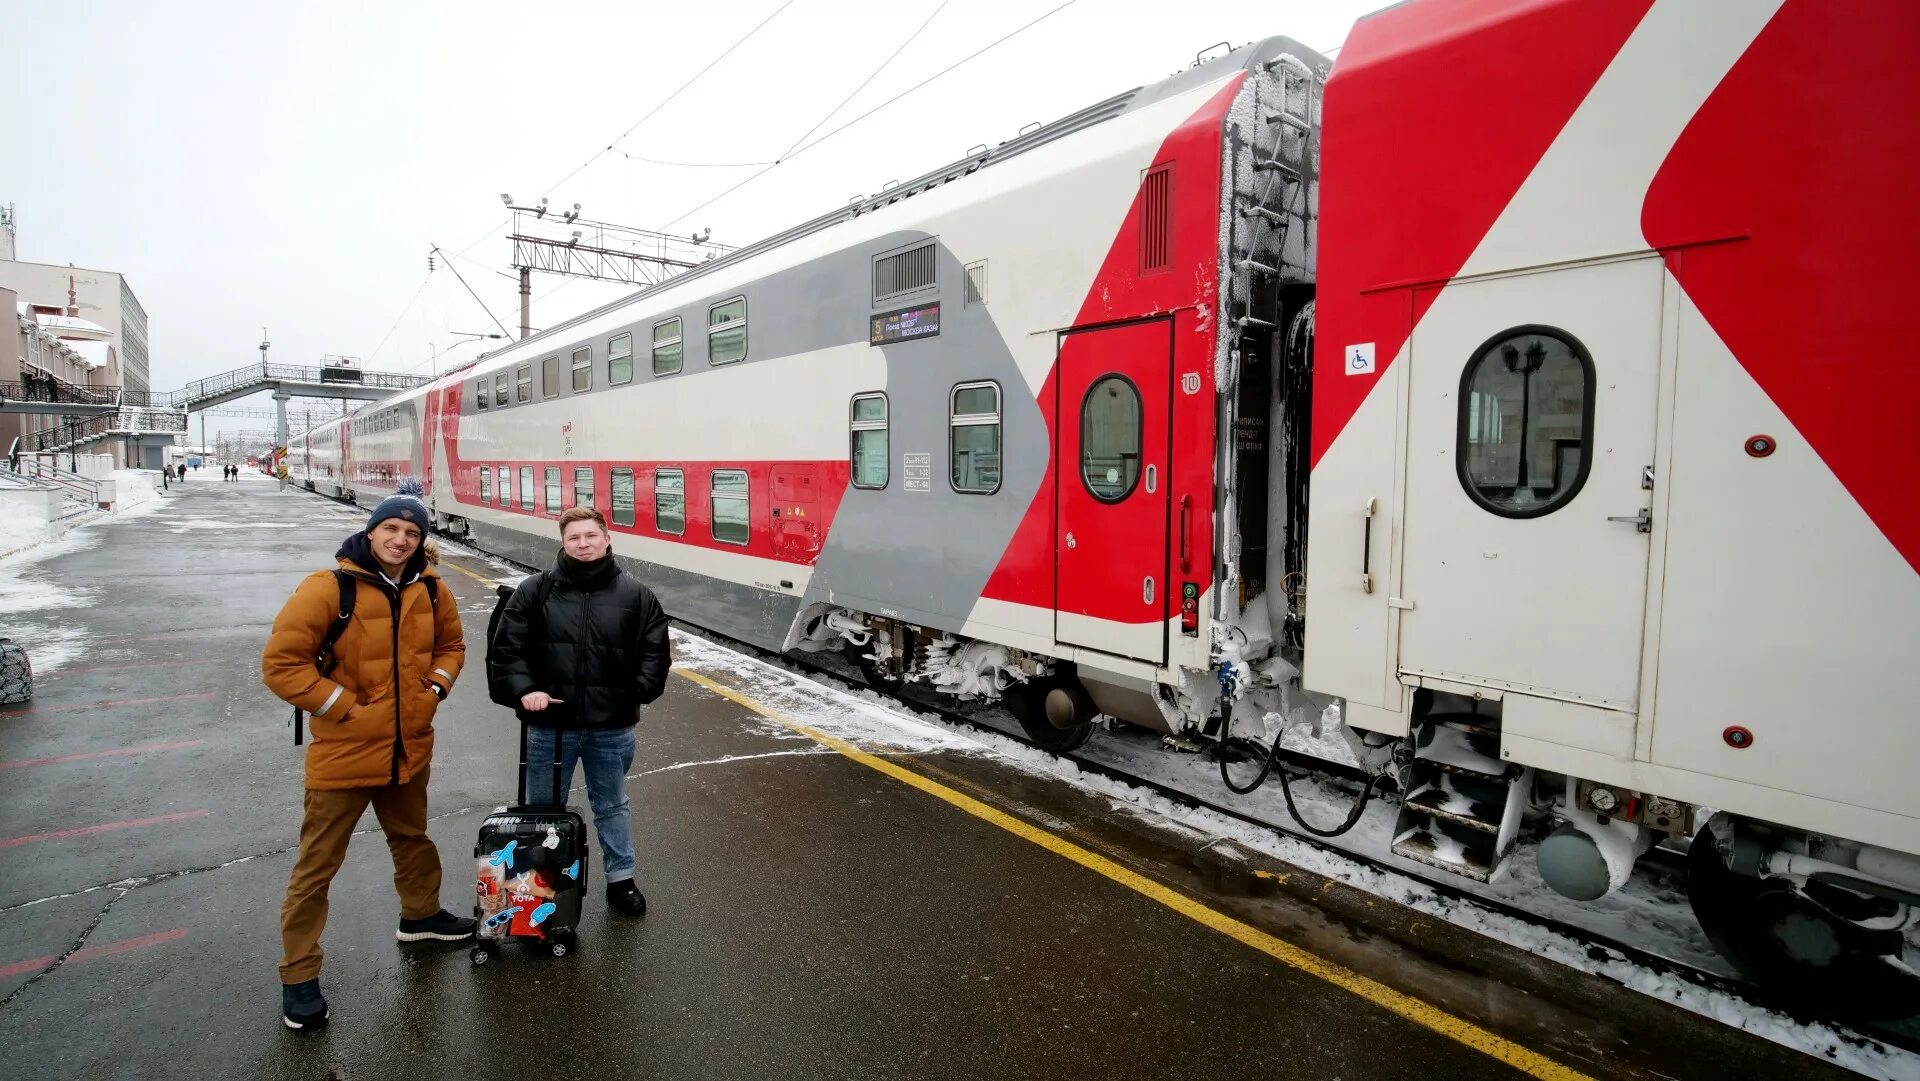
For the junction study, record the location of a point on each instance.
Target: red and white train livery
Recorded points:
(1529, 386)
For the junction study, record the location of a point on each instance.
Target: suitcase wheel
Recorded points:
(561, 946)
(481, 955)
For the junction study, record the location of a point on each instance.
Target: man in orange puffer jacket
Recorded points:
(372, 724)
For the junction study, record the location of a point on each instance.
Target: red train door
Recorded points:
(1110, 483)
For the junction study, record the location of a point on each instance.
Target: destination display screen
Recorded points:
(905, 324)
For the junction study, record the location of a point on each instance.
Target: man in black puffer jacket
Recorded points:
(581, 665)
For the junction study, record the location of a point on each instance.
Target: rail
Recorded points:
(50, 389)
(73, 484)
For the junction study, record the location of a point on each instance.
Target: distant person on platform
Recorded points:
(372, 721)
(580, 648)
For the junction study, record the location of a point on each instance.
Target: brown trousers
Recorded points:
(324, 832)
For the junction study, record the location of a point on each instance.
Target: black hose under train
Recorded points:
(1268, 767)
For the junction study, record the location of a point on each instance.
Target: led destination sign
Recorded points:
(905, 325)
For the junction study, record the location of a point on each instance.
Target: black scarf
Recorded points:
(586, 576)
(358, 550)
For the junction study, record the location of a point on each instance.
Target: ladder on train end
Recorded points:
(1285, 182)
(1464, 805)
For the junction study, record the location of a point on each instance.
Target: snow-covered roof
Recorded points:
(93, 354)
(72, 326)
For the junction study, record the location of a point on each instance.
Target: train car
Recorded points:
(1554, 444)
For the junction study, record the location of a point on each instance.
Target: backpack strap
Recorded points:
(433, 592)
(325, 660)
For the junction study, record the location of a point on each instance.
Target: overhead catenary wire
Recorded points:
(476, 296)
(635, 126)
(403, 314)
(796, 152)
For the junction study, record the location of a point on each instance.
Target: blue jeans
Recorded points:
(608, 755)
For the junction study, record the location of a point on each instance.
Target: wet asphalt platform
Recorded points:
(810, 915)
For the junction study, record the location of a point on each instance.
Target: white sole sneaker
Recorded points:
(437, 936)
(300, 1027)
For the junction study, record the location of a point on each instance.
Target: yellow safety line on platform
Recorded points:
(1421, 1013)
(445, 562)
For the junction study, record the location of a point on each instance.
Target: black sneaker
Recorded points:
(625, 898)
(302, 1006)
(442, 925)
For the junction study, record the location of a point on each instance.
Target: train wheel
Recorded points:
(1787, 942)
(1028, 704)
(876, 675)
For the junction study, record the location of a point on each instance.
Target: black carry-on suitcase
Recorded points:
(531, 872)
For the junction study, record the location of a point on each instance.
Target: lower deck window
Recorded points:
(730, 523)
(486, 485)
(583, 487)
(670, 500)
(526, 487)
(553, 489)
(623, 497)
(974, 437)
(506, 485)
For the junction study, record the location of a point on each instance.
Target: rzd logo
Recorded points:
(1190, 382)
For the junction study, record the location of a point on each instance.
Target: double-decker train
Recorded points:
(1527, 382)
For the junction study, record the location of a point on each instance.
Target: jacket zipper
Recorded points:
(399, 747)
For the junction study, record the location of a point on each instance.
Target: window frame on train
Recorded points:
(620, 348)
(1087, 435)
(504, 475)
(526, 487)
(675, 341)
(550, 377)
(743, 497)
(523, 383)
(616, 476)
(857, 426)
(727, 327)
(486, 485)
(582, 362)
(500, 389)
(550, 484)
(677, 491)
(591, 485)
(957, 420)
(482, 387)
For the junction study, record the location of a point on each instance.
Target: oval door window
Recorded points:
(1526, 422)
(1110, 438)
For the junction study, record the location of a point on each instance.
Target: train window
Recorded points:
(669, 501)
(583, 487)
(620, 360)
(550, 377)
(666, 347)
(486, 485)
(623, 497)
(505, 473)
(900, 273)
(1110, 438)
(973, 442)
(523, 383)
(727, 331)
(500, 389)
(481, 393)
(1526, 422)
(868, 450)
(526, 487)
(583, 368)
(553, 489)
(729, 523)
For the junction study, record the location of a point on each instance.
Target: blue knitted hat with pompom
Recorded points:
(407, 503)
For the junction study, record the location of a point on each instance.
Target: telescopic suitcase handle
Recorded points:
(559, 799)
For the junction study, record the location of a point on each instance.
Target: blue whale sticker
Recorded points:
(540, 914)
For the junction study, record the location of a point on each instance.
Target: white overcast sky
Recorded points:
(289, 165)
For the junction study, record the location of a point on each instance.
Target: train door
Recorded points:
(1112, 452)
(1529, 469)
(796, 519)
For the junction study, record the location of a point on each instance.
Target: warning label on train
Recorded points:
(905, 324)
(918, 469)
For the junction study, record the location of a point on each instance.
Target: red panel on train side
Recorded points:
(1813, 301)
(1025, 573)
(1435, 114)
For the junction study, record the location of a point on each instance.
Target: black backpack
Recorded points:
(497, 688)
(326, 661)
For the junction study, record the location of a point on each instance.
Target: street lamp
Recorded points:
(1524, 365)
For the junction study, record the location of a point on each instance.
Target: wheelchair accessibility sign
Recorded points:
(1360, 359)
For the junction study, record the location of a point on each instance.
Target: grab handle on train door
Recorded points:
(1366, 549)
(1186, 521)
